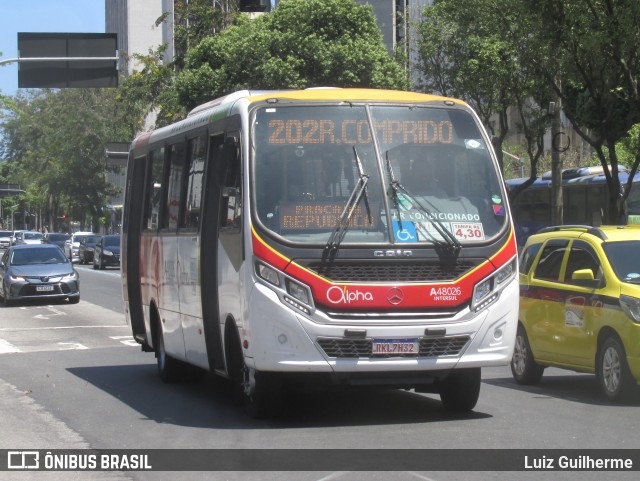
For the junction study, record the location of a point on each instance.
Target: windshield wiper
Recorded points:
(359, 192)
(450, 240)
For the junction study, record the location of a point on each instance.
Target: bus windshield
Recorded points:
(422, 165)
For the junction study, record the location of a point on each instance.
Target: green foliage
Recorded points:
(304, 43)
(475, 50)
(195, 20)
(627, 149)
(54, 144)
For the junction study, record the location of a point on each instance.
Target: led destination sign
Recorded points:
(324, 216)
(354, 132)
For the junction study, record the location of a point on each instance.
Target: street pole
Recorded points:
(556, 165)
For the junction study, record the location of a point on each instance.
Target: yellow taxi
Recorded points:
(580, 306)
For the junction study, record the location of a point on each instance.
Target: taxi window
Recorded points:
(528, 256)
(582, 256)
(551, 260)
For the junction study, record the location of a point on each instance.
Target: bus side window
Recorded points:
(194, 178)
(231, 212)
(174, 185)
(154, 189)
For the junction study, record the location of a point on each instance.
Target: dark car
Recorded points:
(57, 238)
(33, 271)
(86, 247)
(107, 252)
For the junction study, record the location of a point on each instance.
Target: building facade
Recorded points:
(139, 26)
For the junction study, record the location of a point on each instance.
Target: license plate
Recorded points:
(44, 288)
(395, 346)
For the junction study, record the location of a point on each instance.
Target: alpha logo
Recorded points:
(395, 296)
(337, 295)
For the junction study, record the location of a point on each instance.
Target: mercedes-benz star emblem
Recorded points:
(395, 296)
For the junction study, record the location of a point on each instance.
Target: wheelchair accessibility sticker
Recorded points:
(404, 232)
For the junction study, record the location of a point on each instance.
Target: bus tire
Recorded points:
(257, 391)
(613, 371)
(169, 368)
(460, 390)
(524, 368)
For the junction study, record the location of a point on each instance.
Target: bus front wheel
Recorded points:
(259, 392)
(169, 368)
(460, 390)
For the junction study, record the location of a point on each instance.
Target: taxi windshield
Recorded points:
(377, 174)
(623, 257)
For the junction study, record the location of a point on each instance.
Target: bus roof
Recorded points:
(351, 94)
(221, 106)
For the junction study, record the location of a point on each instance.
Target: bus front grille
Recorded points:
(391, 272)
(361, 348)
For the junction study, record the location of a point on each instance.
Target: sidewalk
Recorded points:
(25, 425)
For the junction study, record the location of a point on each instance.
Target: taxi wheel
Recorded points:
(613, 371)
(460, 390)
(524, 368)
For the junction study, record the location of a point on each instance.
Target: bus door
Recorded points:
(132, 229)
(189, 286)
(209, 230)
(230, 247)
(169, 300)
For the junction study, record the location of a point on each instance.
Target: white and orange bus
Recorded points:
(345, 237)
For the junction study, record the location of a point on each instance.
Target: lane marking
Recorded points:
(7, 347)
(126, 340)
(17, 329)
(71, 346)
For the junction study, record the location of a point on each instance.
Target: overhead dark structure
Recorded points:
(67, 60)
(254, 5)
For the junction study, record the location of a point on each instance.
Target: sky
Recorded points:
(48, 16)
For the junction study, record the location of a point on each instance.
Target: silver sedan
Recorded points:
(34, 271)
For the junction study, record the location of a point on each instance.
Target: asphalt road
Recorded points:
(71, 377)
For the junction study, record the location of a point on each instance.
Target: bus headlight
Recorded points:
(507, 271)
(631, 307)
(487, 291)
(267, 273)
(482, 290)
(298, 291)
(290, 291)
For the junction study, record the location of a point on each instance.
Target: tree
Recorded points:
(476, 50)
(195, 20)
(589, 56)
(303, 43)
(54, 146)
(149, 91)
